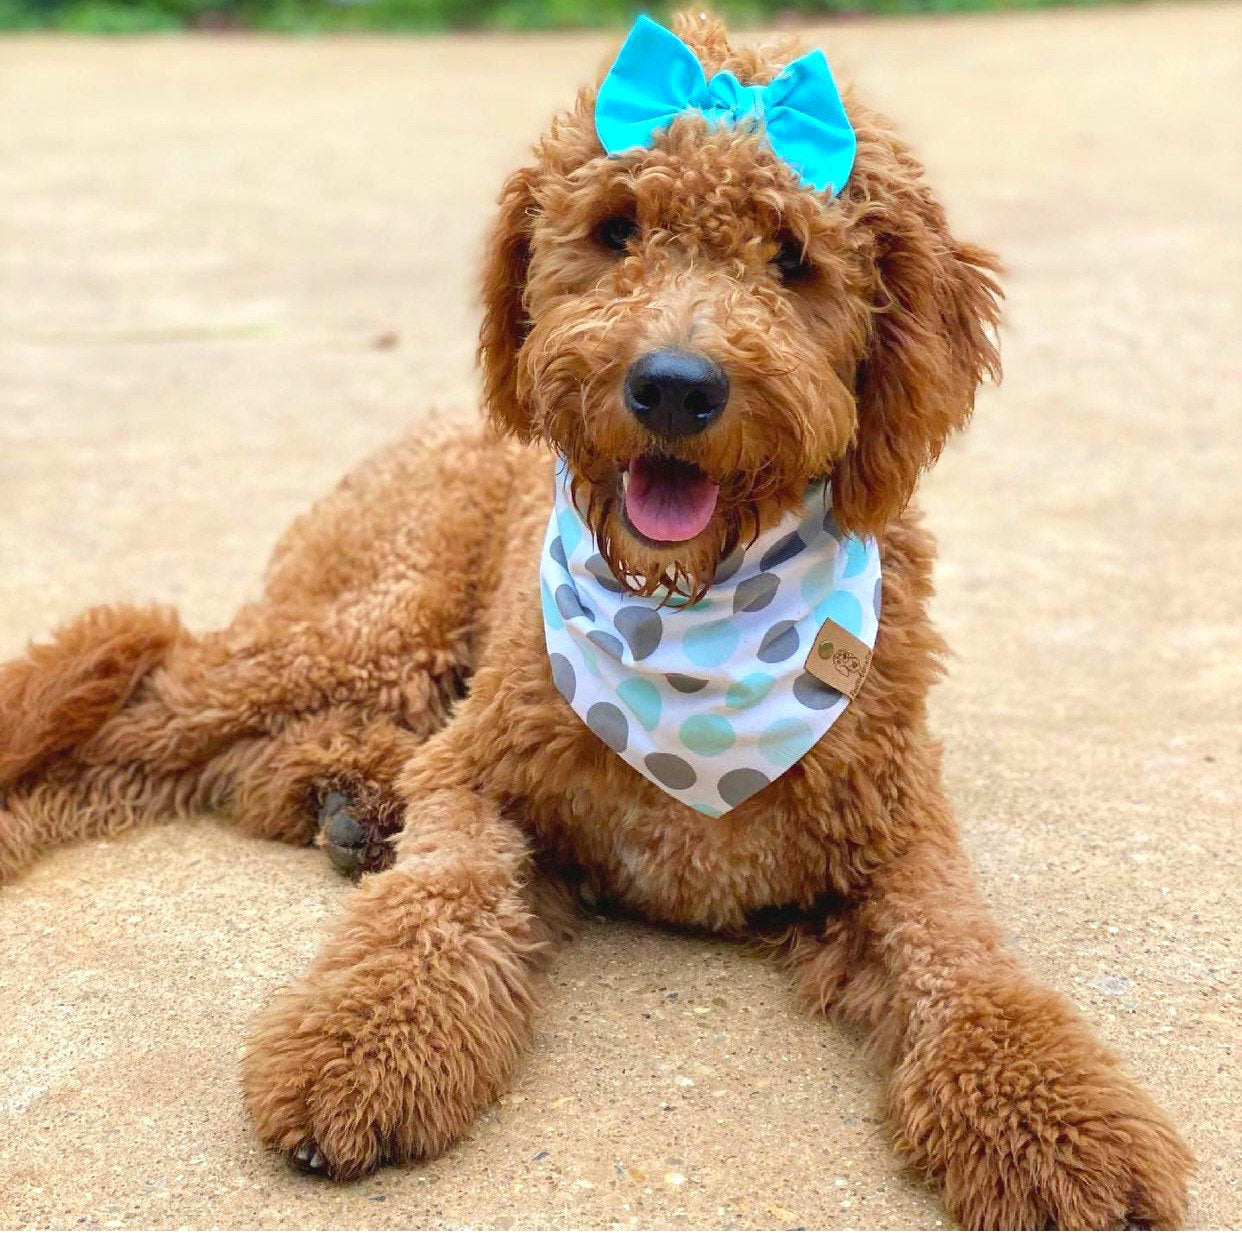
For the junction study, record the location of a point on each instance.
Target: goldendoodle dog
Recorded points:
(656, 636)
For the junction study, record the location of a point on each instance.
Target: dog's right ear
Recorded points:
(505, 320)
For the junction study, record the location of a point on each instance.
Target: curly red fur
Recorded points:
(63, 691)
(417, 581)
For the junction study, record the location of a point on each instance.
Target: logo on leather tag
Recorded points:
(839, 659)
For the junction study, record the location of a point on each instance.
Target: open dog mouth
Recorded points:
(666, 499)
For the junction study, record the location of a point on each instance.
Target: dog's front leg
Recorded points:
(999, 1091)
(412, 1017)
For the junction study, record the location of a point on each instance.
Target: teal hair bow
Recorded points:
(656, 77)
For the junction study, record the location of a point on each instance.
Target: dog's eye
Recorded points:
(616, 232)
(790, 260)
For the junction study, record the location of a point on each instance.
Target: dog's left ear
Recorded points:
(505, 321)
(932, 342)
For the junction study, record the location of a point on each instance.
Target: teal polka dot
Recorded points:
(843, 608)
(711, 644)
(589, 657)
(750, 690)
(709, 810)
(551, 614)
(855, 557)
(818, 581)
(786, 740)
(643, 698)
(570, 526)
(683, 604)
(707, 735)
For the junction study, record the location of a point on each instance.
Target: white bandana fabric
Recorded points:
(710, 700)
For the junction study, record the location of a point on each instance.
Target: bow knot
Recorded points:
(656, 78)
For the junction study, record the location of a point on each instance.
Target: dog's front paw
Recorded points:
(1027, 1123)
(342, 1084)
(409, 1023)
(319, 1094)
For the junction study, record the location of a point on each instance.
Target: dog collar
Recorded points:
(713, 700)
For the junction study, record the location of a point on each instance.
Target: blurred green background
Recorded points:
(309, 16)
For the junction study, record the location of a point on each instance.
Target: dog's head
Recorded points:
(701, 337)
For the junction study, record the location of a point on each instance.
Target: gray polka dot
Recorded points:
(607, 643)
(569, 605)
(563, 676)
(609, 724)
(557, 552)
(685, 684)
(783, 550)
(755, 593)
(672, 771)
(641, 628)
(779, 643)
(879, 594)
(597, 567)
(814, 694)
(728, 567)
(740, 785)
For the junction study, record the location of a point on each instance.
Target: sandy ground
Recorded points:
(204, 245)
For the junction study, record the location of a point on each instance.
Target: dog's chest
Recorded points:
(633, 843)
(626, 841)
(811, 831)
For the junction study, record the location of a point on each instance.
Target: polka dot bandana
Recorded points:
(709, 700)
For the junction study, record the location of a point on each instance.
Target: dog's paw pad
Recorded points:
(354, 843)
(308, 1159)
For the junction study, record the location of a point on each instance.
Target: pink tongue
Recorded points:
(668, 500)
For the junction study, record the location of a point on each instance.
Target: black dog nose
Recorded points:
(675, 393)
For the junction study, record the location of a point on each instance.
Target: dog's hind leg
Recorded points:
(371, 612)
(56, 698)
(357, 651)
(328, 775)
(101, 740)
(61, 809)
(61, 692)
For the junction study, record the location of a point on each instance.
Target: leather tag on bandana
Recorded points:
(839, 659)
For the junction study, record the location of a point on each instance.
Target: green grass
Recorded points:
(314, 16)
